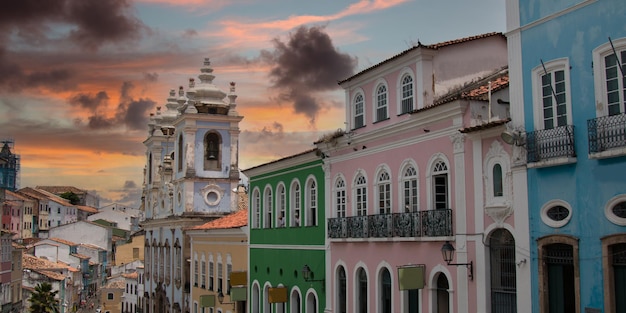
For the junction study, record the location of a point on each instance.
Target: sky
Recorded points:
(79, 78)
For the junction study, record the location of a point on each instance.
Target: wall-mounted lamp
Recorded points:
(513, 138)
(448, 255)
(308, 275)
(220, 298)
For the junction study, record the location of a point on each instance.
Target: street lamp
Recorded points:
(220, 298)
(447, 252)
(308, 275)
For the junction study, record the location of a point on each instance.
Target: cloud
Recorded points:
(306, 64)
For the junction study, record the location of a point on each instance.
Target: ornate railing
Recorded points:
(432, 223)
(606, 132)
(550, 143)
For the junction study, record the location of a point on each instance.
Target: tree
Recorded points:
(72, 197)
(43, 300)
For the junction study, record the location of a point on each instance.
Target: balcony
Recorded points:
(607, 136)
(432, 223)
(549, 147)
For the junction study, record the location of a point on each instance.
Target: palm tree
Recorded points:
(43, 300)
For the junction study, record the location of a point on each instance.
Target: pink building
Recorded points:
(421, 166)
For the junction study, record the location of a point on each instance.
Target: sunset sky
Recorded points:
(79, 78)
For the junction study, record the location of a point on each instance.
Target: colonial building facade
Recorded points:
(191, 168)
(568, 61)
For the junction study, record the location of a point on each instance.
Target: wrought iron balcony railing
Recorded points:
(550, 143)
(431, 223)
(606, 132)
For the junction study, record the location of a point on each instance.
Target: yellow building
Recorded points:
(219, 262)
(131, 251)
(111, 296)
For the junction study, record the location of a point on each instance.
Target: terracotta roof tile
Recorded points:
(63, 241)
(51, 274)
(484, 126)
(133, 275)
(87, 208)
(117, 284)
(34, 263)
(80, 256)
(88, 245)
(234, 220)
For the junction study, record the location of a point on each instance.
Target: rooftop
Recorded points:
(233, 220)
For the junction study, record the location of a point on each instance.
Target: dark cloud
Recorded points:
(90, 102)
(190, 33)
(306, 64)
(91, 23)
(129, 184)
(131, 113)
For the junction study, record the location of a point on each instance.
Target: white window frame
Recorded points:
(354, 109)
(256, 206)
(268, 206)
(430, 182)
(380, 103)
(312, 202)
(359, 186)
(406, 72)
(339, 197)
(295, 198)
(550, 67)
(599, 75)
(403, 178)
(281, 205)
(383, 191)
(550, 222)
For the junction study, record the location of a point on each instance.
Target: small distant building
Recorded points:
(85, 197)
(5, 269)
(9, 167)
(129, 298)
(39, 270)
(132, 250)
(111, 296)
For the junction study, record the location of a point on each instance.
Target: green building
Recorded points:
(287, 235)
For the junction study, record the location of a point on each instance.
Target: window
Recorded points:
(360, 195)
(212, 151)
(614, 270)
(281, 205)
(615, 210)
(384, 193)
(556, 213)
(110, 296)
(559, 290)
(220, 276)
(295, 204)
(195, 272)
(609, 68)
(361, 284)
(267, 207)
(229, 270)
(406, 101)
(179, 153)
(440, 186)
(311, 218)
(135, 253)
(342, 293)
(359, 112)
(295, 302)
(409, 189)
(203, 274)
(340, 198)
(498, 190)
(381, 103)
(178, 262)
(168, 262)
(442, 302)
(551, 93)
(211, 273)
(256, 204)
(503, 272)
(385, 291)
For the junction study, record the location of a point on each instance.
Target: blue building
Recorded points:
(9, 167)
(568, 89)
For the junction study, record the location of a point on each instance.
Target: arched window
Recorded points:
(295, 302)
(202, 272)
(256, 295)
(360, 195)
(168, 262)
(311, 303)
(498, 190)
(440, 186)
(179, 153)
(384, 192)
(557, 272)
(503, 277)
(196, 267)
(407, 94)
(342, 293)
(267, 207)
(381, 103)
(295, 204)
(385, 291)
(409, 189)
(281, 206)
(311, 218)
(178, 262)
(211, 273)
(150, 168)
(212, 151)
(266, 299)
(361, 291)
(148, 261)
(340, 198)
(256, 206)
(359, 112)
